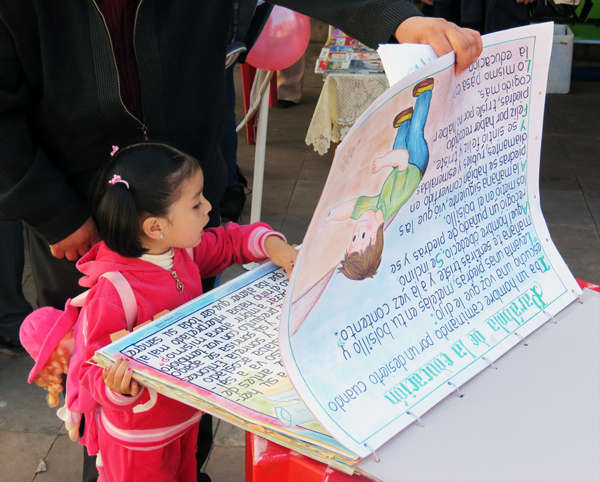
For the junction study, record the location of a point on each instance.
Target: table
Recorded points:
(343, 100)
(534, 418)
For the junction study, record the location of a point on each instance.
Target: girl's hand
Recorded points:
(281, 253)
(118, 378)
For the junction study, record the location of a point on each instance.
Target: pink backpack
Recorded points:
(41, 334)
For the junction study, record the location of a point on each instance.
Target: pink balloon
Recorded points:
(282, 41)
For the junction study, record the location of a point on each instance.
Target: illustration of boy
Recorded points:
(408, 159)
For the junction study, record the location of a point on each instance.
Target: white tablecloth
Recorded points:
(343, 100)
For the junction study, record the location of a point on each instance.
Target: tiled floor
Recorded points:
(294, 178)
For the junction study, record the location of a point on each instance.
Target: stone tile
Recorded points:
(64, 462)
(580, 100)
(565, 207)
(578, 124)
(276, 196)
(593, 201)
(20, 454)
(295, 227)
(306, 196)
(229, 435)
(26, 409)
(553, 149)
(549, 125)
(316, 167)
(557, 183)
(281, 164)
(580, 248)
(227, 464)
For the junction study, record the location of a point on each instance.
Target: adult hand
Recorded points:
(78, 243)
(444, 37)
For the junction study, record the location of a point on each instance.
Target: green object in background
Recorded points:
(590, 30)
(585, 30)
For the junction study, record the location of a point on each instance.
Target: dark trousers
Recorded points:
(56, 280)
(229, 141)
(13, 305)
(487, 16)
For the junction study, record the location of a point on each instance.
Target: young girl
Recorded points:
(150, 207)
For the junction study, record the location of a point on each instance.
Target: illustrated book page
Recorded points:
(428, 256)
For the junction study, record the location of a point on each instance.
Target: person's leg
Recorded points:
(402, 123)
(173, 462)
(56, 280)
(472, 14)
(418, 150)
(229, 142)
(447, 9)
(505, 14)
(234, 198)
(13, 305)
(188, 469)
(289, 83)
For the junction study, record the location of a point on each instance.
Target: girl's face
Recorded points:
(184, 225)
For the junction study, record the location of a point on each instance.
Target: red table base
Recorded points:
(268, 462)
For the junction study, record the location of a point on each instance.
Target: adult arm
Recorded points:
(32, 189)
(374, 22)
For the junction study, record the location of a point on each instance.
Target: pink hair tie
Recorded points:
(116, 179)
(114, 151)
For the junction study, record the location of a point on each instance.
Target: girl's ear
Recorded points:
(152, 227)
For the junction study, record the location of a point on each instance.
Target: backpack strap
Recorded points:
(127, 297)
(125, 293)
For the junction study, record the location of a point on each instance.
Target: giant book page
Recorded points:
(428, 256)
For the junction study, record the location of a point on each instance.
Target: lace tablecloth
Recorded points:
(343, 99)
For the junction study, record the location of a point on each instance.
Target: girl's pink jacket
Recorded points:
(149, 420)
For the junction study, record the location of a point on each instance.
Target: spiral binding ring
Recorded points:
(521, 338)
(460, 395)
(550, 317)
(375, 456)
(419, 421)
(580, 296)
(490, 363)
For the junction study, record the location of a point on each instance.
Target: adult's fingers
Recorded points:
(467, 45)
(57, 252)
(72, 255)
(444, 37)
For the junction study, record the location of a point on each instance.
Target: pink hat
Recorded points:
(43, 330)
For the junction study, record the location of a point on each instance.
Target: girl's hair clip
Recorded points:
(114, 151)
(116, 179)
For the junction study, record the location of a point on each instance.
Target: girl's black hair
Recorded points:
(154, 173)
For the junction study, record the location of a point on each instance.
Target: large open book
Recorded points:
(220, 353)
(427, 259)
